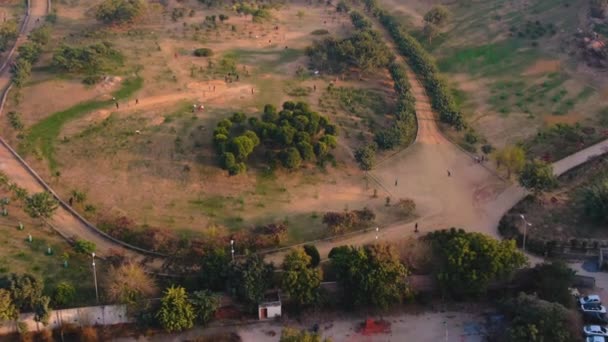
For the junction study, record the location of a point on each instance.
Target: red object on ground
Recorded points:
(371, 327)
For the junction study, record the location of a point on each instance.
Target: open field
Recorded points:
(154, 160)
(515, 65)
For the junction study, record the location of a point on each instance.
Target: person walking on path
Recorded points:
(416, 227)
(136, 101)
(396, 182)
(116, 105)
(449, 173)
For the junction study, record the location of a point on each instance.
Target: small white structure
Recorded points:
(270, 307)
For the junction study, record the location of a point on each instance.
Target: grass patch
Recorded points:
(500, 58)
(43, 135)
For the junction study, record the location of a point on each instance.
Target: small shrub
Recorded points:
(319, 32)
(85, 247)
(203, 52)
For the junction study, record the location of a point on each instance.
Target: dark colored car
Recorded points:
(595, 317)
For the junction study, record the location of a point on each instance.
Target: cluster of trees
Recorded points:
(370, 276)
(403, 130)
(534, 319)
(29, 53)
(119, 11)
(468, 262)
(424, 65)
(292, 136)
(24, 293)
(534, 175)
(340, 222)
(90, 60)
(365, 51)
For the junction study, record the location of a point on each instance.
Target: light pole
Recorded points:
(377, 232)
(445, 325)
(95, 278)
(526, 225)
(232, 248)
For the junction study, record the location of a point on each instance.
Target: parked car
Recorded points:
(595, 339)
(593, 308)
(595, 330)
(595, 318)
(590, 299)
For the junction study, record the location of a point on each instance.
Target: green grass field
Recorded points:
(43, 135)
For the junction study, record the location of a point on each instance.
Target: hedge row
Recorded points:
(423, 65)
(508, 229)
(403, 131)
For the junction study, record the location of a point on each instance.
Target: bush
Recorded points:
(319, 32)
(594, 198)
(341, 222)
(84, 247)
(41, 204)
(93, 59)
(203, 52)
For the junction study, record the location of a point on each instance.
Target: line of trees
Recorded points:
(424, 65)
(91, 60)
(28, 54)
(403, 131)
(119, 11)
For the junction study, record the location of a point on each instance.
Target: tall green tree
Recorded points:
(537, 176)
(594, 198)
(42, 310)
(64, 294)
(299, 279)
(8, 311)
(438, 15)
(536, 320)
(205, 305)
(214, 266)
(249, 279)
(25, 290)
(371, 275)
(176, 313)
(366, 156)
(119, 11)
(468, 262)
(553, 281)
(512, 158)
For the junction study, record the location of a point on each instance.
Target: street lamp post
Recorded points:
(232, 249)
(95, 278)
(445, 325)
(377, 232)
(526, 225)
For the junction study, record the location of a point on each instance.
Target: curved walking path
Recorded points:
(65, 221)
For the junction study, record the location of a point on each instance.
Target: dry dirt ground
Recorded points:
(421, 327)
(142, 176)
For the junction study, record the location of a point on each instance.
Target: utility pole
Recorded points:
(95, 278)
(232, 248)
(526, 225)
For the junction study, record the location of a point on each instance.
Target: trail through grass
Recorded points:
(43, 135)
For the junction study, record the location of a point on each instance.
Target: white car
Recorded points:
(595, 330)
(595, 339)
(593, 308)
(590, 299)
